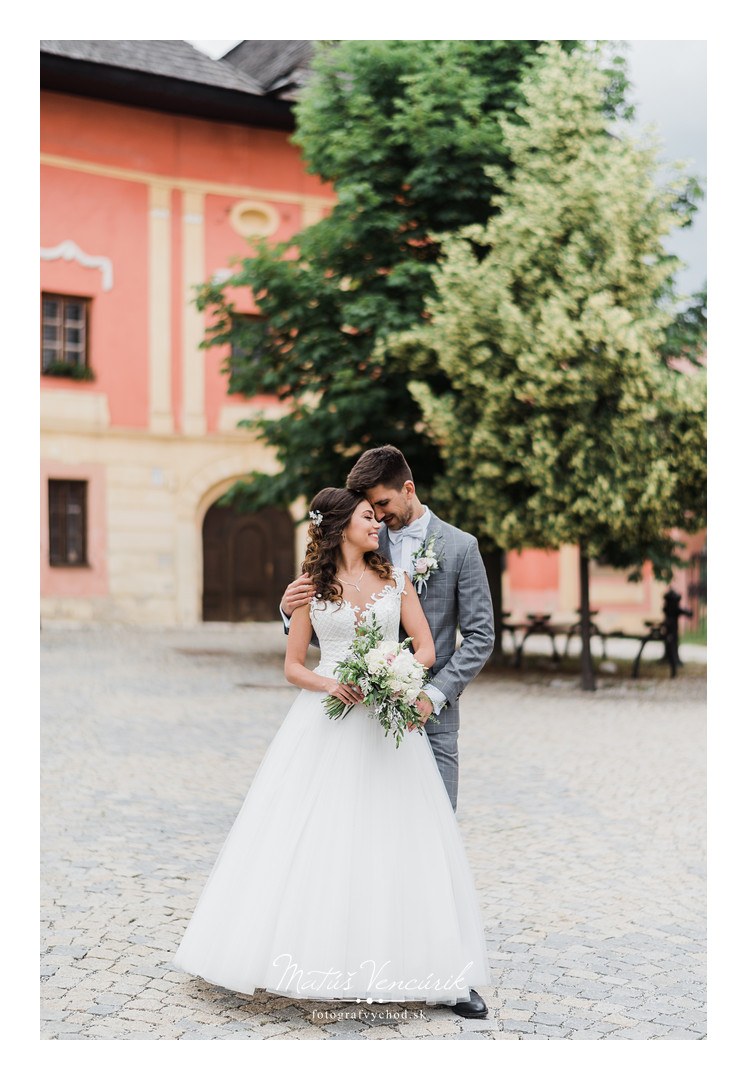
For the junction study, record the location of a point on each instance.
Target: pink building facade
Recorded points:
(159, 168)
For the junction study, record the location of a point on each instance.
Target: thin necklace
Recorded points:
(353, 584)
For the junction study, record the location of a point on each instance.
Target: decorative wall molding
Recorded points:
(70, 252)
(193, 419)
(160, 405)
(181, 183)
(251, 218)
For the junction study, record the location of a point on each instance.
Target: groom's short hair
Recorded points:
(382, 465)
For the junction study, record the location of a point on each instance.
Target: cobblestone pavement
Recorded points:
(583, 817)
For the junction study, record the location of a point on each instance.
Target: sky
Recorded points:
(669, 91)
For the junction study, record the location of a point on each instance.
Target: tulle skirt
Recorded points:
(344, 876)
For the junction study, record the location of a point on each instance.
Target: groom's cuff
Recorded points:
(286, 620)
(437, 698)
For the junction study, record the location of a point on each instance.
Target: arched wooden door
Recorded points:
(247, 562)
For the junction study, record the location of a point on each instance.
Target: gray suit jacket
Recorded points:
(456, 595)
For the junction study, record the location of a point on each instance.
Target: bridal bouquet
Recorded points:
(389, 676)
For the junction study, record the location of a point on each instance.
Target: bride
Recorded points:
(344, 876)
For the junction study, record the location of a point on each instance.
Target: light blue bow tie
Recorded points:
(416, 530)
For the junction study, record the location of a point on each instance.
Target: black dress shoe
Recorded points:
(474, 1009)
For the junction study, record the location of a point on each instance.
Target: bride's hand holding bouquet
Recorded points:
(387, 677)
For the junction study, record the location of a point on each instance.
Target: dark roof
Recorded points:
(169, 76)
(281, 67)
(177, 59)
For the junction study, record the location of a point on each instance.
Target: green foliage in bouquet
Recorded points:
(389, 677)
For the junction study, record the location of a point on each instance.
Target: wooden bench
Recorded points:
(655, 631)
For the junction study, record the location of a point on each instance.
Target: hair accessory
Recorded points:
(316, 516)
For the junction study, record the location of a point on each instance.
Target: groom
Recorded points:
(454, 593)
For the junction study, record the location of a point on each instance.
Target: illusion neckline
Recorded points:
(375, 597)
(373, 600)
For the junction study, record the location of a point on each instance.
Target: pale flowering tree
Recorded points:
(562, 425)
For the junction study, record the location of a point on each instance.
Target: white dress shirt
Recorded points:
(406, 541)
(403, 543)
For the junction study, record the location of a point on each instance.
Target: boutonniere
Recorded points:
(424, 562)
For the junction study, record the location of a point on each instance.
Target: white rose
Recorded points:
(375, 660)
(381, 657)
(402, 664)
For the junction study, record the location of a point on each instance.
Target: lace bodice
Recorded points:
(335, 622)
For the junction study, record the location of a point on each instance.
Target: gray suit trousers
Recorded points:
(446, 753)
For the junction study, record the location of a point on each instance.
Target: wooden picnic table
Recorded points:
(540, 625)
(535, 625)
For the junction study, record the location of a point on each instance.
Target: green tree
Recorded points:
(686, 336)
(562, 425)
(406, 131)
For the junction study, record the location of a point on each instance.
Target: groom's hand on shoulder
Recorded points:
(298, 593)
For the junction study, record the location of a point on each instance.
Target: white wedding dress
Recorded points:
(344, 876)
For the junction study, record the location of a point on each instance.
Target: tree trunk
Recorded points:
(587, 664)
(494, 562)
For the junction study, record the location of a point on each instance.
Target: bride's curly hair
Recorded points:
(336, 505)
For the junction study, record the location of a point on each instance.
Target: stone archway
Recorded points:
(247, 563)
